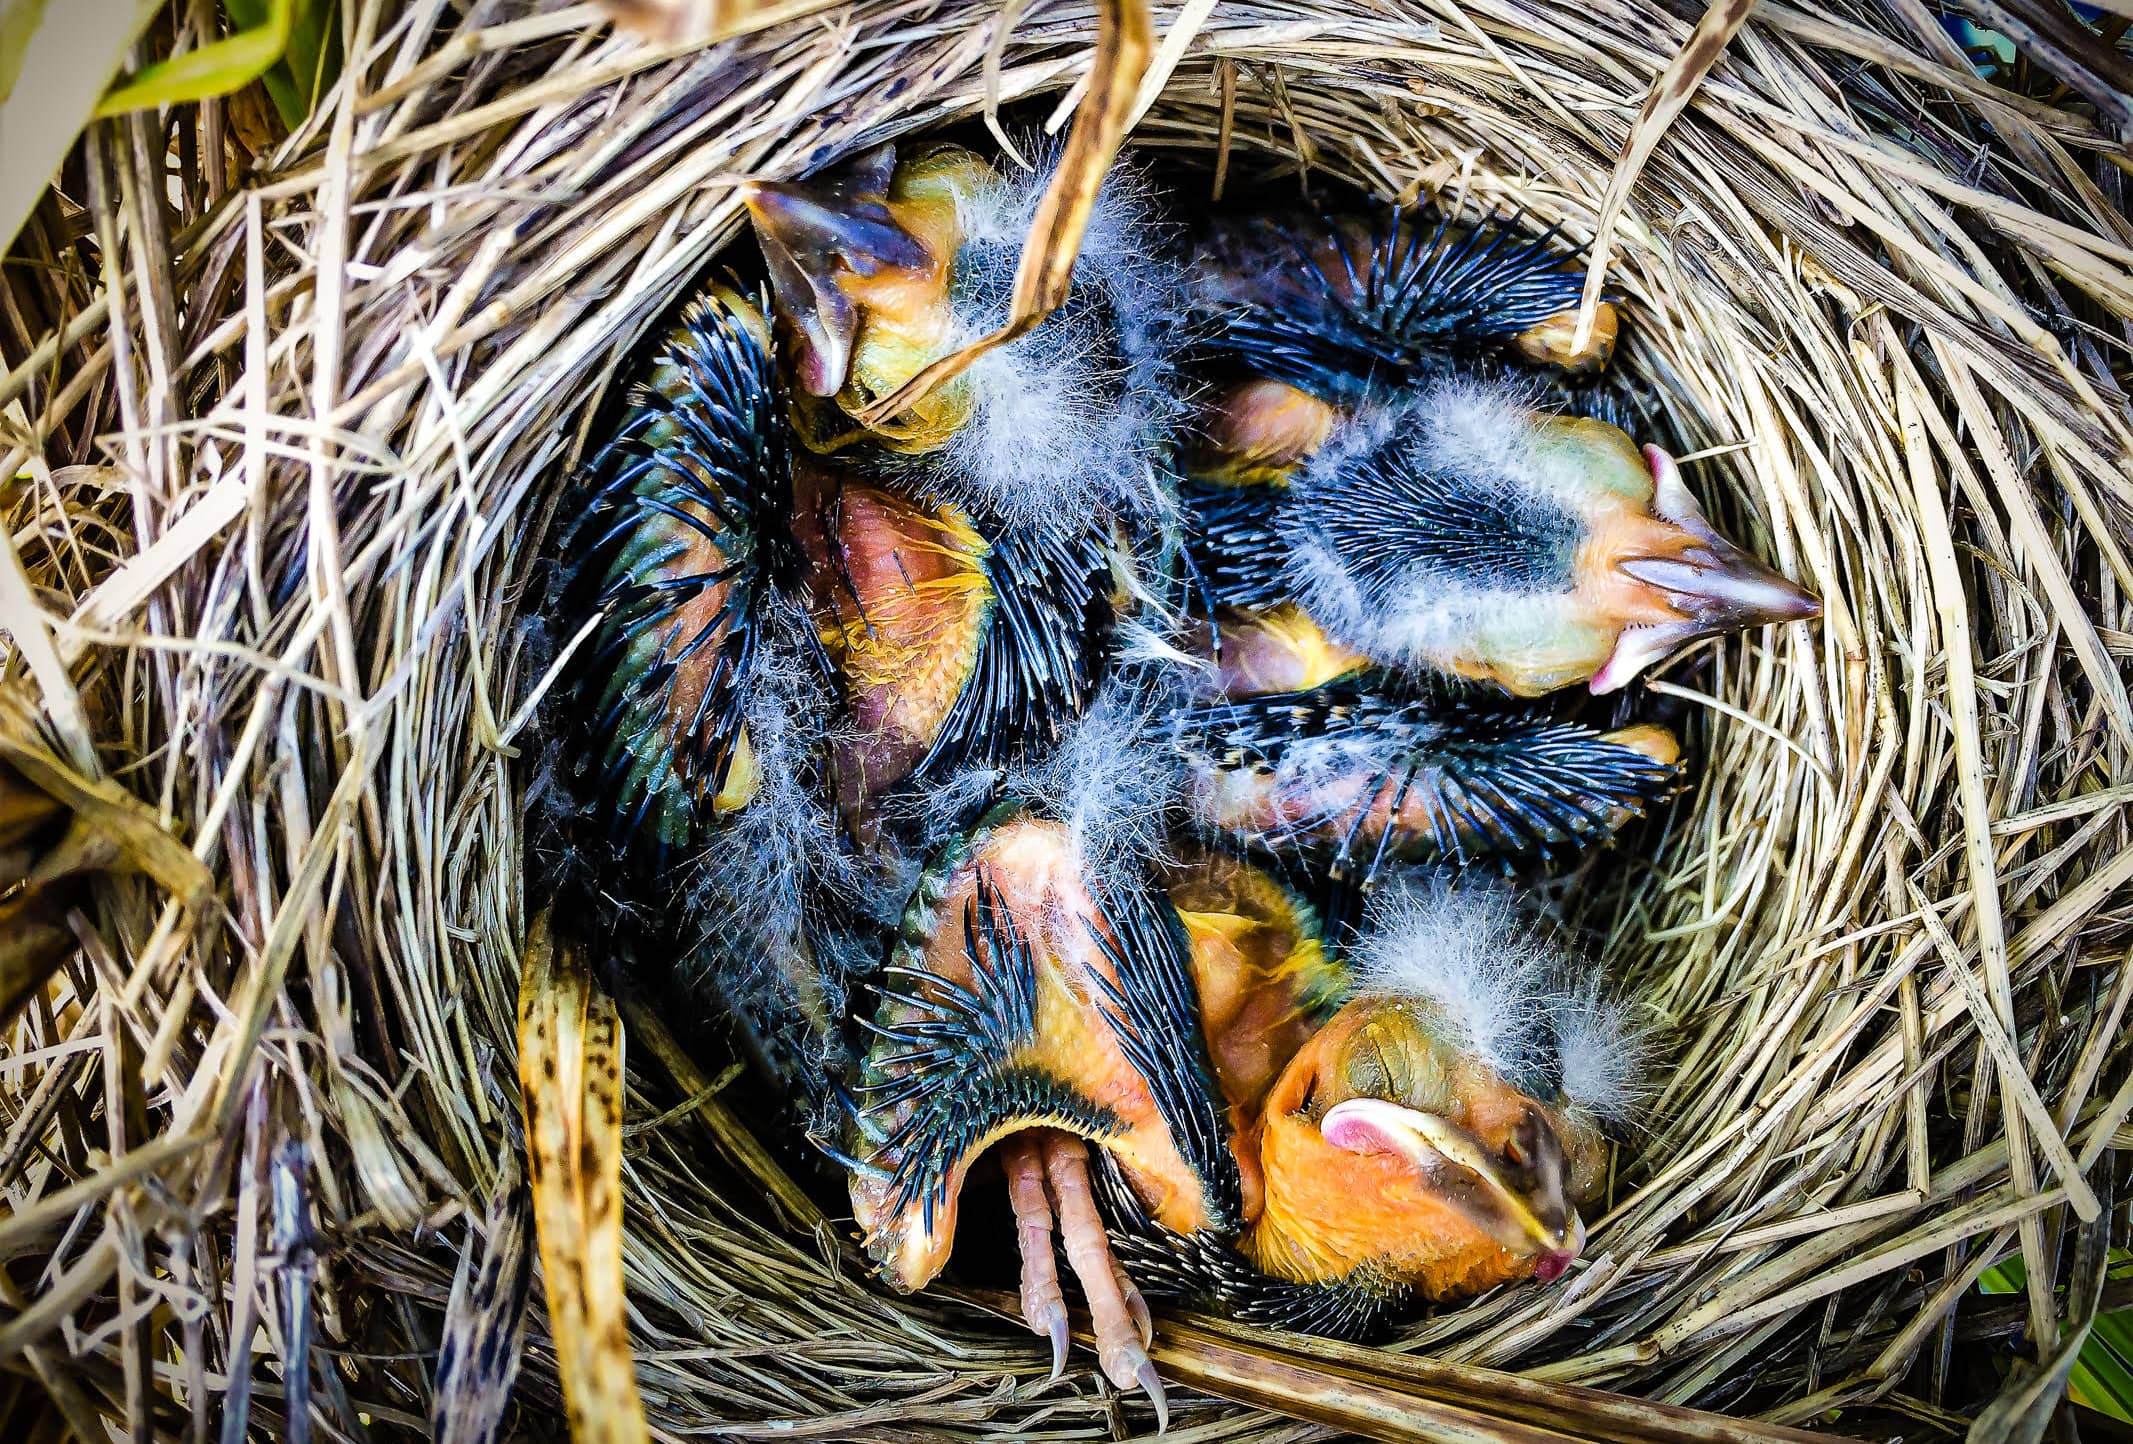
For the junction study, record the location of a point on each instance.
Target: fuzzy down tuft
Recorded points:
(1470, 951)
(788, 912)
(1603, 1052)
(1067, 421)
(1112, 781)
(1430, 519)
(1521, 1003)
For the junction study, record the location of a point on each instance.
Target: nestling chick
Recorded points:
(1458, 530)
(1432, 1138)
(959, 551)
(1342, 306)
(898, 258)
(1302, 1143)
(1366, 489)
(695, 710)
(683, 554)
(947, 645)
(1028, 1003)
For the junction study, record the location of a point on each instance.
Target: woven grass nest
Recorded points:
(288, 447)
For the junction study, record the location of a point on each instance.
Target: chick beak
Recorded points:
(1714, 586)
(1535, 1222)
(814, 233)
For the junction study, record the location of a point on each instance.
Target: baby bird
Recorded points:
(696, 704)
(944, 645)
(1341, 306)
(1299, 1141)
(896, 259)
(1422, 1123)
(1370, 488)
(960, 552)
(1030, 1003)
(685, 556)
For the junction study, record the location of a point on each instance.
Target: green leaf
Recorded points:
(309, 64)
(2102, 1382)
(2003, 1278)
(2101, 1377)
(314, 58)
(229, 64)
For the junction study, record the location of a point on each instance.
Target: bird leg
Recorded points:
(1048, 1184)
(1043, 1306)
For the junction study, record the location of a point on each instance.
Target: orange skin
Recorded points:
(700, 554)
(1330, 1213)
(899, 597)
(1038, 877)
(692, 673)
(1277, 650)
(1256, 432)
(1552, 342)
(1262, 979)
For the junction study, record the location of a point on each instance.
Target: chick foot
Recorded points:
(1048, 1185)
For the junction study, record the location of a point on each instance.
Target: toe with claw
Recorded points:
(1049, 1187)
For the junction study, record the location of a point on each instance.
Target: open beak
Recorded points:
(813, 233)
(1429, 1141)
(1714, 585)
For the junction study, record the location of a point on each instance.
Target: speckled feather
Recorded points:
(692, 496)
(1043, 650)
(952, 1059)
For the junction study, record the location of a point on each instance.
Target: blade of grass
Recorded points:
(228, 64)
(570, 1080)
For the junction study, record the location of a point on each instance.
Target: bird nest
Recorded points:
(287, 448)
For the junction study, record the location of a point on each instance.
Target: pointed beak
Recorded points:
(812, 233)
(1713, 584)
(1517, 1220)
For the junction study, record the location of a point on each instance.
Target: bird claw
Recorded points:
(1048, 1186)
(1055, 1325)
(1043, 1309)
(1152, 1385)
(1128, 1366)
(1138, 1308)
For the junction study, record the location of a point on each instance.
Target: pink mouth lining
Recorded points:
(1351, 1132)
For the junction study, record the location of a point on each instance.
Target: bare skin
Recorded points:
(1049, 1188)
